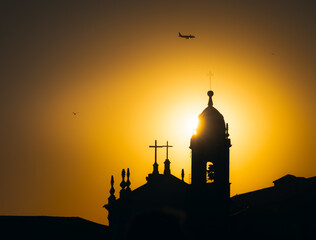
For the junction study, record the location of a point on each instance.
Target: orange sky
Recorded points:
(121, 65)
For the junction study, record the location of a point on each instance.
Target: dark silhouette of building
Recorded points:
(166, 207)
(193, 210)
(210, 188)
(285, 211)
(46, 227)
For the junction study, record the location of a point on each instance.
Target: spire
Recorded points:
(210, 101)
(112, 191)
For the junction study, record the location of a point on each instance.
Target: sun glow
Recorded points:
(192, 124)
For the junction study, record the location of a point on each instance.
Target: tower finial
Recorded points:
(210, 94)
(112, 191)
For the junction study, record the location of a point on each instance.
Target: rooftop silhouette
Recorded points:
(202, 204)
(167, 207)
(47, 227)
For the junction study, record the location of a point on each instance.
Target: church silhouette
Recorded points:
(168, 207)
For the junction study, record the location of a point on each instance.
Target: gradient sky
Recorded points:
(121, 65)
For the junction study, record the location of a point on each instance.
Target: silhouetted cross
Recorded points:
(156, 146)
(167, 146)
(210, 74)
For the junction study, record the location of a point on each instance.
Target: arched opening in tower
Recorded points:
(209, 172)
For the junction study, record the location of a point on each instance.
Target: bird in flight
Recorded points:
(186, 36)
(75, 113)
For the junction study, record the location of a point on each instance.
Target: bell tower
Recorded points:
(210, 165)
(210, 144)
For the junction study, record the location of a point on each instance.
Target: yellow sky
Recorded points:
(132, 80)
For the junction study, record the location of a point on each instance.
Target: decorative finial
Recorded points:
(112, 191)
(210, 94)
(182, 174)
(123, 183)
(128, 182)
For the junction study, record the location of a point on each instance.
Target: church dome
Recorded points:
(211, 123)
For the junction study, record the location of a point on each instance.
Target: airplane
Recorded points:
(186, 36)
